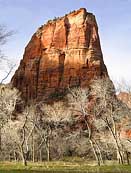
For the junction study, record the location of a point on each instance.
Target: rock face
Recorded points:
(125, 98)
(63, 53)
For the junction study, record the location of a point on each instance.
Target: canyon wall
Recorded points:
(64, 52)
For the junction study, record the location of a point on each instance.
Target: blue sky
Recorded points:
(113, 17)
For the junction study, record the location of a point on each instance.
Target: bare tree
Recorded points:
(20, 132)
(8, 98)
(9, 66)
(4, 35)
(52, 118)
(79, 100)
(109, 111)
(32, 135)
(124, 92)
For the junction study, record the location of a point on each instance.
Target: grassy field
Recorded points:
(62, 167)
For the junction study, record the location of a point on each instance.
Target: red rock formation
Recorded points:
(125, 132)
(63, 53)
(125, 98)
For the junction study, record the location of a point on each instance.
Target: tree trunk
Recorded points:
(101, 159)
(24, 161)
(9, 157)
(95, 153)
(90, 140)
(118, 151)
(48, 155)
(15, 156)
(40, 152)
(127, 157)
(24, 157)
(0, 140)
(48, 150)
(33, 149)
(120, 158)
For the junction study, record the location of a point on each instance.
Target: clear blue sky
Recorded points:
(113, 17)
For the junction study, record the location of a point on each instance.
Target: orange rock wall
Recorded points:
(63, 53)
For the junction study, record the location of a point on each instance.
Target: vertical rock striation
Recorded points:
(63, 53)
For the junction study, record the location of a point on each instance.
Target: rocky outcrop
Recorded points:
(65, 52)
(125, 98)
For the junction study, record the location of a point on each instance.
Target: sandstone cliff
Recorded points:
(125, 98)
(65, 52)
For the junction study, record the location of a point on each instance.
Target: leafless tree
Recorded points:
(51, 119)
(109, 111)
(4, 35)
(79, 100)
(124, 92)
(7, 69)
(20, 132)
(8, 98)
(32, 135)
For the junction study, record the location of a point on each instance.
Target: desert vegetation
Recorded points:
(89, 123)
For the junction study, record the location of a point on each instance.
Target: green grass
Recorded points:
(62, 167)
